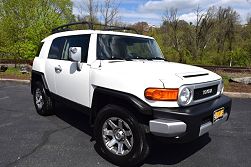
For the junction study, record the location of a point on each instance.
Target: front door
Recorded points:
(70, 83)
(73, 84)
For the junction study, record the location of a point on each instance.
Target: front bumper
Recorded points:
(188, 123)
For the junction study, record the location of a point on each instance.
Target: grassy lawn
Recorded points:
(14, 73)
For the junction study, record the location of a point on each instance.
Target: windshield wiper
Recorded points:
(139, 57)
(156, 58)
(150, 58)
(119, 58)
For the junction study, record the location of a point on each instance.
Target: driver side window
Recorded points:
(76, 41)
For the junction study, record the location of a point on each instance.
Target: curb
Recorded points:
(18, 81)
(238, 95)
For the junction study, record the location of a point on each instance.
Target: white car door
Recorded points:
(72, 84)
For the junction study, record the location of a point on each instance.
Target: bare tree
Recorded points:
(249, 14)
(249, 20)
(227, 18)
(203, 29)
(109, 11)
(172, 29)
(141, 27)
(88, 10)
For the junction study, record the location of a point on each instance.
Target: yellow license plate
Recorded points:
(218, 114)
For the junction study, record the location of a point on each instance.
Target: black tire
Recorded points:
(47, 106)
(140, 147)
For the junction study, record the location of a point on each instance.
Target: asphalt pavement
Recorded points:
(30, 140)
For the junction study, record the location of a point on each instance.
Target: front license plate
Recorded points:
(218, 114)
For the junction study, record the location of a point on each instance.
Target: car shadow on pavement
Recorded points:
(73, 117)
(173, 153)
(161, 153)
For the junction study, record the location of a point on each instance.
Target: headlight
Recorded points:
(185, 96)
(221, 87)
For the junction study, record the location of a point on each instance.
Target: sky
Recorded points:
(152, 11)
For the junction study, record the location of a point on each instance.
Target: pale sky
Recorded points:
(151, 11)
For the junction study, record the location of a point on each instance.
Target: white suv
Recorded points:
(129, 91)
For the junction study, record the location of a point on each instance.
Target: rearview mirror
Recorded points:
(75, 54)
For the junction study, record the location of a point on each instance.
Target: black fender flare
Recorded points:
(104, 96)
(38, 76)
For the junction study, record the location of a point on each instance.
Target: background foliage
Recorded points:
(215, 38)
(23, 24)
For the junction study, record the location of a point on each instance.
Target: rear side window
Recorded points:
(76, 41)
(56, 49)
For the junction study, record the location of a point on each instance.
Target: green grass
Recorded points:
(226, 81)
(14, 73)
(13, 70)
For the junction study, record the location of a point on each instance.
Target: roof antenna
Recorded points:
(100, 63)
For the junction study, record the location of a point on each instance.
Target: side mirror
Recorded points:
(75, 54)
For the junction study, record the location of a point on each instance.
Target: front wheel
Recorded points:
(119, 137)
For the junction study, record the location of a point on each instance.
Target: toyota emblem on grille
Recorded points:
(207, 91)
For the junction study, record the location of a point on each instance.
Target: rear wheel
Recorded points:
(119, 137)
(43, 103)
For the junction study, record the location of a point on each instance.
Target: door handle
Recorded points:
(58, 69)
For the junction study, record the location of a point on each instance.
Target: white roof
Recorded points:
(79, 32)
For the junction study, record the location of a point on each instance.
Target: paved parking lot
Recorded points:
(27, 139)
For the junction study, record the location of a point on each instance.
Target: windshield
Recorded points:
(127, 48)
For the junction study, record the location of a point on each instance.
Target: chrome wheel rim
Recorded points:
(39, 99)
(117, 136)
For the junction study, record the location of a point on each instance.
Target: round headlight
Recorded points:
(185, 96)
(221, 87)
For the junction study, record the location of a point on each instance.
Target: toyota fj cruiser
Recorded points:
(126, 87)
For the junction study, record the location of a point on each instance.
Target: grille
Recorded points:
(205, 92)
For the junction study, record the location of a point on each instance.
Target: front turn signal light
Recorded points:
(162, 94)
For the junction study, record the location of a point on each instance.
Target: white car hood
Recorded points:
(169, 73)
